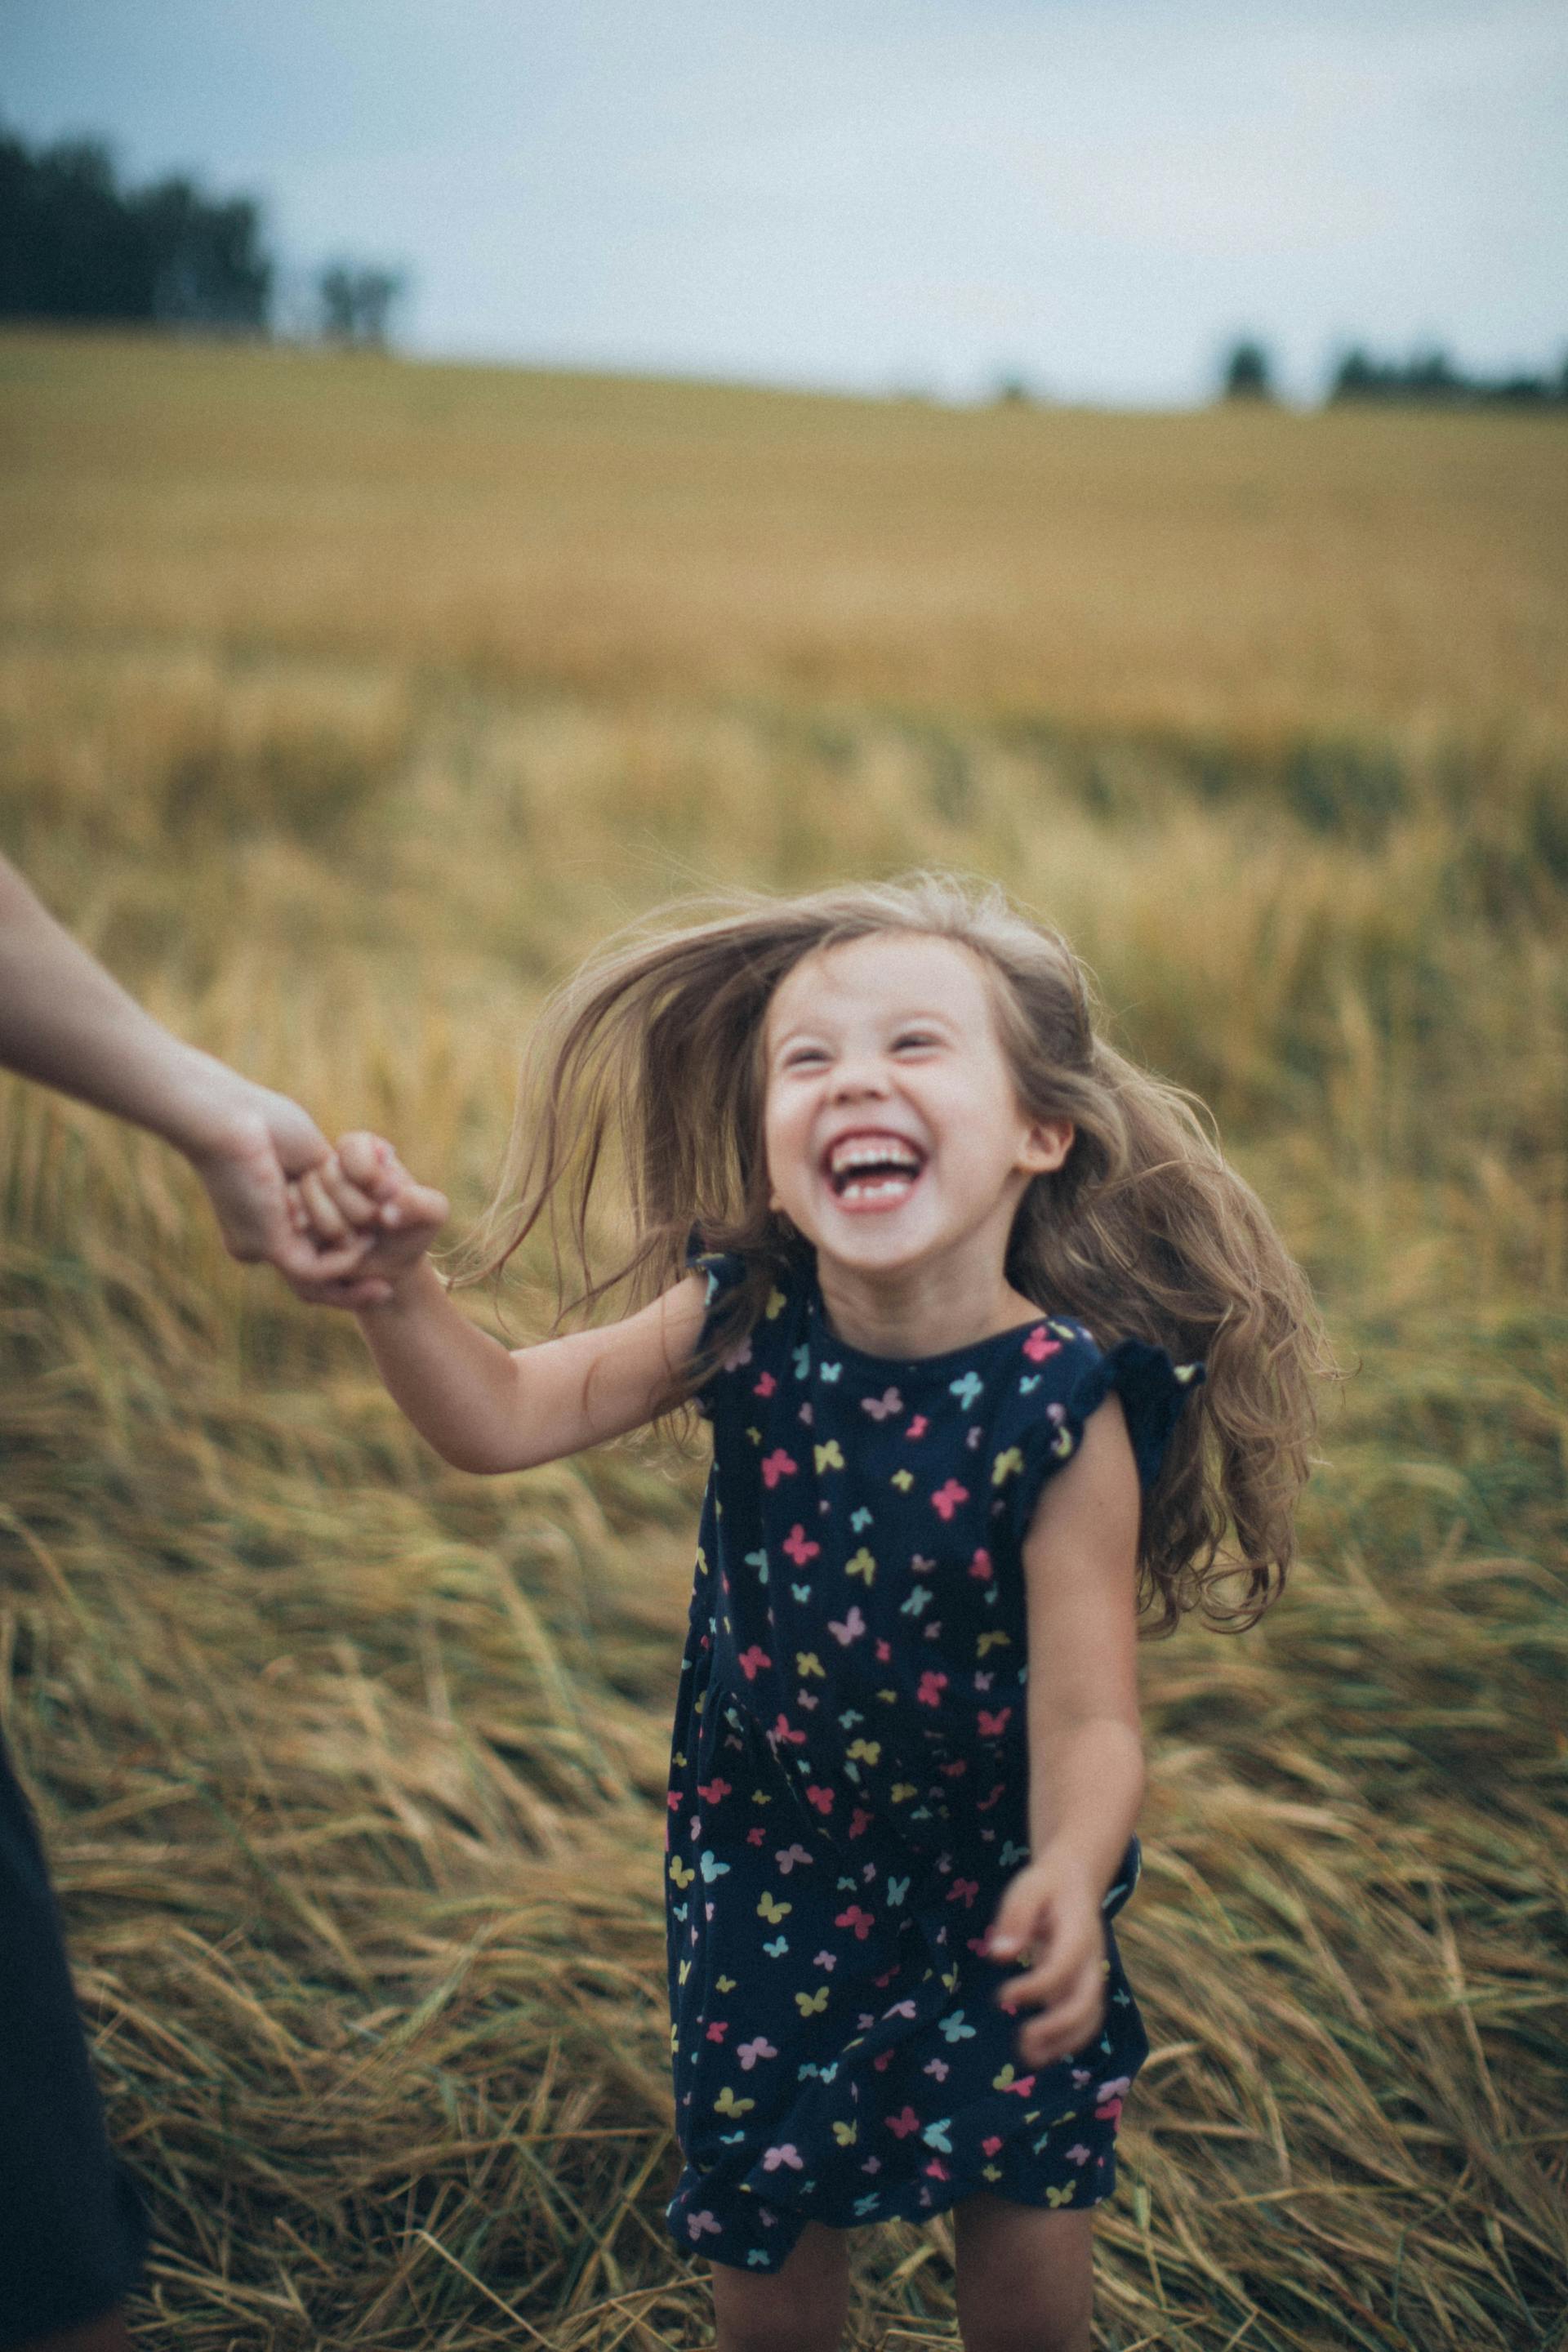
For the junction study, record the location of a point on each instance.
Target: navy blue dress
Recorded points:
(849, 1781)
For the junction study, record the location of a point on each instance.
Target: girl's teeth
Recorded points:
(877, 1187)
(876, 1152)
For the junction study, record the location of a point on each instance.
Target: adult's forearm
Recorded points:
(1086, 1784)
(67, 1022)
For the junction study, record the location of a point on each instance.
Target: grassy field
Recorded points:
(342, 705)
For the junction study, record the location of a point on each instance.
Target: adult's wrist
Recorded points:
(205, 1109)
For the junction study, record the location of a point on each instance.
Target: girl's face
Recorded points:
(892, 1128)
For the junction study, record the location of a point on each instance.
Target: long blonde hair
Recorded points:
(649, 1062)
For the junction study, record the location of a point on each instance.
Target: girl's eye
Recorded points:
(804, 1057)
(917, 1039)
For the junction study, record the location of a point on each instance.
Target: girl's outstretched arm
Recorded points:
(483, 1406)
(1086, 1757)
(486, 1408)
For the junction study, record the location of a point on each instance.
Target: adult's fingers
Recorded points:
(292, 1134)
(326, 1217)
(298, 1258)
(357, 1207)
(285, 1240)
(348, 1291)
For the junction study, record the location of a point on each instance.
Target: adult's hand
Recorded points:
(250, 1161)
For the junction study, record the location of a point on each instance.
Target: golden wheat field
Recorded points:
(343, 703)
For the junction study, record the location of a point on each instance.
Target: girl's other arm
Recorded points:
(1086, 1757)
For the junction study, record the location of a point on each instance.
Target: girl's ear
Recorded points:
(1046, 1142)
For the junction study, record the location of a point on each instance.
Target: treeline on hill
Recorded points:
(1432, 377)
(76, 244)
(1428, 378)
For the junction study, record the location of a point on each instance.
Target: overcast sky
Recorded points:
(1094, 194)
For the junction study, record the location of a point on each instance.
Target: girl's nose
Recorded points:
(858, 1075)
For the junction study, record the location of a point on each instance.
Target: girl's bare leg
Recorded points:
(799, 2307)
(1024, 2276)
(108, 2334)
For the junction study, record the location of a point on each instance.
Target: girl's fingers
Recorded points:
(1044, 2045)
(1070, 2026)
(1054, 1978)
(1015, 1926)
(1067, 2022)
(414, 1205)
(368, 1160)
(395, 1201)
(335, 1209)
(428, 1207)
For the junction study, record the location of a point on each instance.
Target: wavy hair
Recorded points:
(649, 1063)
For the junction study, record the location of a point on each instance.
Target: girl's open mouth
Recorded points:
(873, 1171)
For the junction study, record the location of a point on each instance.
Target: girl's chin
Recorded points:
(882, 1229)
(884, 1245)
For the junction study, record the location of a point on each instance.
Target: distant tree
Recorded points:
(356, 303)
(68, 248)
(74, 245)
(1247, 373)
(1355, 378)
(1432, 376)
(208, 266)
(1523, 391)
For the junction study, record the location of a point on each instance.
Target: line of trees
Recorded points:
(76, 244)
(1428, 378)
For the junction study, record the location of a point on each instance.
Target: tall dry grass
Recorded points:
(340, 707)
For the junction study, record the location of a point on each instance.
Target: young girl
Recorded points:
(941, 1270)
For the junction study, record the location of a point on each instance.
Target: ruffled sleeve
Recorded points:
(723, 1272)
(1153, 1392)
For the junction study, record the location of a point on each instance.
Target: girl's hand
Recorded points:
(1052, 1910)
(364, 1189)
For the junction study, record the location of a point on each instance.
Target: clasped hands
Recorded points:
(361, 1193)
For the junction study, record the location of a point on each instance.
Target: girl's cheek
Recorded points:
(787, 1146)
